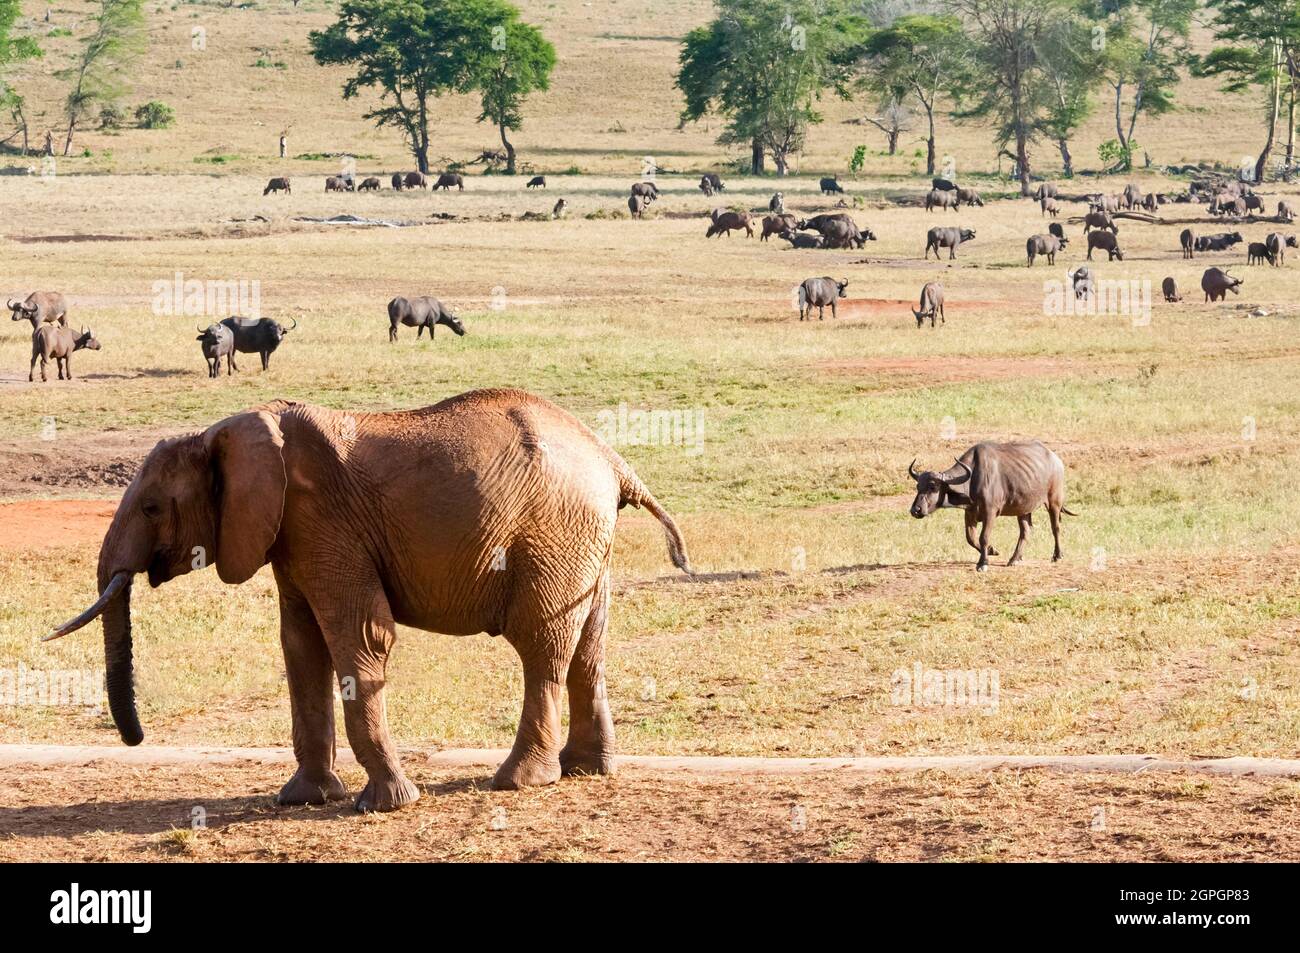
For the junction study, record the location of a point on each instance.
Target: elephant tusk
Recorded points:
(115, 585)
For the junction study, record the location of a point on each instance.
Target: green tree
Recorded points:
(921, 57)
(98, 75)
(762, 64)
(412, 51)
(1261, 45)
(1069, 55)
(13, 50)
(519, 62)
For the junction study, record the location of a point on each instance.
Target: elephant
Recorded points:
(493, 511)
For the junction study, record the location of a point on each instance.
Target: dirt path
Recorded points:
(108, 811)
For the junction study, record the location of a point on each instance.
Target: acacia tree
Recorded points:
(13, 50)
(922, 57)
(763, 64)
(1262, 41)
(97, 76)
(412, 51)
(519, 62)
(1146, 44)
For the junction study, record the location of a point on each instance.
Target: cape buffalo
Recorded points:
(261, 336)
(647, 190)
(420, 313)
(727, 221)
(1188, 240)
(415, 180)
(1047, 245)
(1107, 242)
(949, 238)
(803, 241)
(1221, 241)
(397, 181)
(831, 187)
(931, 304)
(1169, 288)
(39, 307)
(1050, 207)
(448, 179)
(637, 204)
(1055, 228)
(217, 341)
(710, 183)
(969, 197)
(558, 210)
(820, 292)
(1045, 190)
(1099, 219)
(936, 198)
(1216, 283)
(996, 479)
(58, 341)
(1083, 281)
(842, 233)
(369, 185)
(776, 204)
(336, 183)
(1277, 243)
(943, 185)
(278, 184)
(1284, 213)
(1257, 252)
(776, 224)
(536, 182)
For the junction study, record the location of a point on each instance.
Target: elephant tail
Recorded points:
(633, 491)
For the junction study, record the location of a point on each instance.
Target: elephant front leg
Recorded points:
(311, 700)
(590, 748)
(359, 641)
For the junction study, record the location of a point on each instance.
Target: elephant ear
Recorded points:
(249, 484)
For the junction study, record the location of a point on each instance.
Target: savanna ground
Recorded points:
(1168, 629)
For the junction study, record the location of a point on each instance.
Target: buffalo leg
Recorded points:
(590, 747)
(986, 533)
(972, 520)
(311, 701)
(1020, 543)
(392, 332)
(419, 332)
(31, 372)
(834, 312)
(1054, 513)
(266, 360)
(65, 369)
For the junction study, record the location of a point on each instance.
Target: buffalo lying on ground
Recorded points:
(1106, 241)
(937, 198)
(370, 184)
(1216, 283)
(420, 313)
(40, 307)
(776, 224)
(831, 187)
(536, 182)
(415, 180)
(820, 292)
(727, 221)
(217, 341)
(1169, 288)
(1218, 242)
(448, 179)
(261, 336)
(996, 479)
(57, 342)
(931, 304)
(1047, 245)
(799, 240)
(949, 238)
(278, 184)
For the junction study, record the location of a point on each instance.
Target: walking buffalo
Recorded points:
(1188, 240)
(647, 190)
(57, 342)
(420, 313)
(1047, 245)
(820, 292)
(1099, 219)
(1107, 242)
(996, 479)
(776, 224)
(710, 183)
(831, 187)
(937, 198)
(278, 184)
(727, 221)
(949, 238)
(448, 179)
(1050, 207)
(1257, 252)
(969, 197)
(261, 336)
(337, 183)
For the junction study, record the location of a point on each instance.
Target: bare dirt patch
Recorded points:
(80, 464)
(42, 524)
(947, 370)
(105, 812)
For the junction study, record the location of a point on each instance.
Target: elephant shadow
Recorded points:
(160, 815)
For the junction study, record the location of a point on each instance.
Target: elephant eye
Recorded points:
(151, 509)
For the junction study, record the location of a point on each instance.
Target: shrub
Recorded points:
(155, 115)
(110, 116)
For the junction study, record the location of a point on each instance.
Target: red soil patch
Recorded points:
(42, 524)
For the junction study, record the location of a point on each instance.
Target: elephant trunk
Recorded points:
(118, 673)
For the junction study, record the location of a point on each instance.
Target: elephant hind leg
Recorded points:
(546, 650)
(590, 748)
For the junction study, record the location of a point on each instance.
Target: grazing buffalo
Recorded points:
(1107, 242)
(1216, 283)
(831, 187)
(536, 182)
(931, 304)
(420, 313)
(936, 198)
(370, 184)
(1188, 240)
(803, 241)
(217, 341)
(776, 224)
(943, 185)
(1169, 288)
(1045, 190)
(725, 222)
(637, 204)
(969, 197)
(1257, 252)
(1083, 281)
(1050, 206)
(415, 180)
(1047, 245)
(949, 238)
(261, 336)
(996, 479)
(337, 183)
(820, 292)
(397, 181)
(278, 184)
(646, 190)
(58, 341)
(448, 179)
(1099, 219)
(1221, 241)
(1277, 243)
(710, 183)
(40, 307)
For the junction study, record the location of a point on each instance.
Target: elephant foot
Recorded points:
(386, 796)
(525, 773)
(301, 789)
(586, 761)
